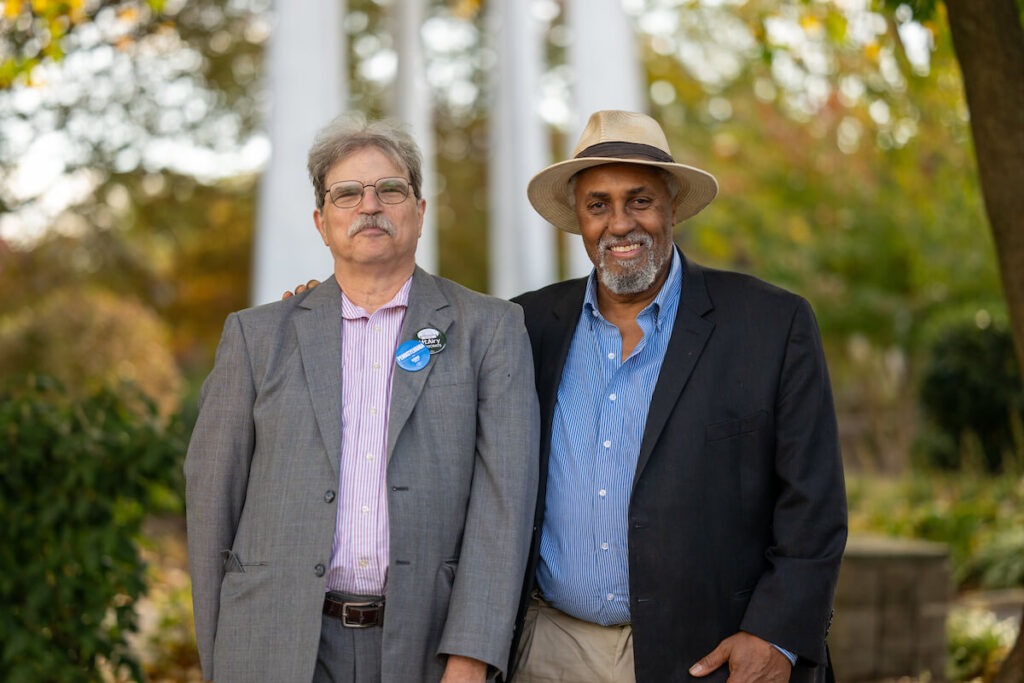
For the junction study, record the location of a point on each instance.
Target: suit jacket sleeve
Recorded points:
(216, 478)
(500, 509)
(791, 603)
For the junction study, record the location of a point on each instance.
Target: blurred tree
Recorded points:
(989, 43)
(89, 340)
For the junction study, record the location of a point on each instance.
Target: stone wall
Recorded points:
(890, 610)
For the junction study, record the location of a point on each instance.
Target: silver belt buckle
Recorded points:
(345, 614)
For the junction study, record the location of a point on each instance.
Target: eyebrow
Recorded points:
(631, 192)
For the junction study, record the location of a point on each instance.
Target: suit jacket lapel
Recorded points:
(689, 337)
(319, 334)
(557, 334)
(428, 307)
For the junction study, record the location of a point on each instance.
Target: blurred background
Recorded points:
(135, 148)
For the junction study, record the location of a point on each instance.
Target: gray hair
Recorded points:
(671, 182)
(346, 135)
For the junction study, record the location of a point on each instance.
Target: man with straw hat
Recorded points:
(691, 516)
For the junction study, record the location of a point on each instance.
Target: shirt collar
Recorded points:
(672, 287)
(350, 311)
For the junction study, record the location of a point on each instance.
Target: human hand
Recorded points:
(300, 289)
(750, 659)
(464, 670)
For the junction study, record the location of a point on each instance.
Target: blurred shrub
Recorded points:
(980, 518)
(78, 475)
(999, 560)
(88, 338)
(977, 643)
(972, 395)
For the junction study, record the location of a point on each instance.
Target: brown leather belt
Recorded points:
(355, 614)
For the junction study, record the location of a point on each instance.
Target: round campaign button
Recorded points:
(433, 339)
(412, 355)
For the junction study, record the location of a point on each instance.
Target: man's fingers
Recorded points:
(712, 660)
(299, 289)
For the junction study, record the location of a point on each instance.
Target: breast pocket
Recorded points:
(446, 377)
(728, 429)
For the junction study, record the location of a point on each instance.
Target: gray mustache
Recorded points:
(371, 222)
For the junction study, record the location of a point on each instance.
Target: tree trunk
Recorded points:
(989, 44)
(1012, 670)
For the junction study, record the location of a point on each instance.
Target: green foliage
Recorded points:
(972, 394)
(76, 480)
(116, 339)
(979, 517)
(977, 643)
(33, 31)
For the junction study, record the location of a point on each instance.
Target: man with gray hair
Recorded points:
(361, 479)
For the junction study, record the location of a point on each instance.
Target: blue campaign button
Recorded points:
(412, 355)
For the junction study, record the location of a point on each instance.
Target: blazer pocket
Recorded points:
(233, 563)
(730, 428)
(449, 377)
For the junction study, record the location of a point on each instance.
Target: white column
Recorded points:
(522, 246)
(413, 106)
(307, 86)
(604, 59)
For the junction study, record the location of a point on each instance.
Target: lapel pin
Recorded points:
(433, 339)
(412, 355)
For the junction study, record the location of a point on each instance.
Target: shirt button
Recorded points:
(369, 456)
(376, 328)
(610, 597)
(329, 497)
(602, 493)
(611, 356)
(319, 570)
(363, 562)
(366, 508)
(604, 546)
(375, 365)
(373, 411)
(607, 444)
(612, 397)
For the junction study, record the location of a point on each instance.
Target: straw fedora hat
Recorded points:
(613, 137)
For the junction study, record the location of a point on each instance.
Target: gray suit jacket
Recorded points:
(262, 472)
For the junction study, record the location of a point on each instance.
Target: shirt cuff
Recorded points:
(789, 655)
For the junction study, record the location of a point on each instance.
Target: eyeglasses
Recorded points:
(347, 194)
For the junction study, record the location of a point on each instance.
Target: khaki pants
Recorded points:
(558, 648)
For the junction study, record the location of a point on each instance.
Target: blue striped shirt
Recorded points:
(599, 421)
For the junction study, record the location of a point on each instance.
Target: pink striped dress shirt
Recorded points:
(359, 557)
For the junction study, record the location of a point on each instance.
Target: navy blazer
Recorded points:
(737, 519)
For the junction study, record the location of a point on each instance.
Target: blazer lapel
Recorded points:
(319, 334)
(690, 335)
(557, 334)
(428, 307)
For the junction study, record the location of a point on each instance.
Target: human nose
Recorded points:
(370, 202)
(620, 222)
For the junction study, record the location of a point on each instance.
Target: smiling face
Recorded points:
(625, 216)
(372, 233)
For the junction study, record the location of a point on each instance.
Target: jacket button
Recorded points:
(319, 570)
(329, 497)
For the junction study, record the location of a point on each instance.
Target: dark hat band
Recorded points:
(626, 150)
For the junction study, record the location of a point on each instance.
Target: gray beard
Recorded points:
(633, 278)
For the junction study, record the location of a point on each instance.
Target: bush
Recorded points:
(977, 643)
(979, 517)
(77, 478)
(972, 394)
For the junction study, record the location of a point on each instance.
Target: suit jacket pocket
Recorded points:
(441, 377)
(730, 428)
(231, 562)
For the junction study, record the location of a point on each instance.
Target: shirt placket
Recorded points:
(370, 508)
(610, 501)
